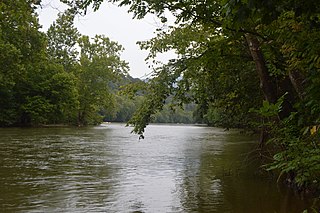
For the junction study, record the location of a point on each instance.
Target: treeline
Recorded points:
(125, 108)
(55, 77)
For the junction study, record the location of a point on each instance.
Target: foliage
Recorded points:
(95, 63)
(298, 155)
(124, 109)
(157, 91)
(62, 41)
(296, 147)
(205, 74)
(44, 78)
(22, 59)
(176, 115)
(126, 105)
(100, 63)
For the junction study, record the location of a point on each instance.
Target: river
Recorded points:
(107, 169)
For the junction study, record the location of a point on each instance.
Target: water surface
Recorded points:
(107, 169)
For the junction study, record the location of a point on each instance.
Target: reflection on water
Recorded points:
(107, 169)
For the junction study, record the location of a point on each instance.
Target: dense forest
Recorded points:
(245, 63)
(58, 77)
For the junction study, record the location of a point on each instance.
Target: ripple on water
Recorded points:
(107, 169)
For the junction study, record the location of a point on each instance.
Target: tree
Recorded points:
(100, 64)
(22, 58)
(93, 64)
(63, 39)
(212, 71)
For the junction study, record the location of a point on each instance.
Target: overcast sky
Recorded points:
(115, 23)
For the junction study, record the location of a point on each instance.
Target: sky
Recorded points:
(115, 23)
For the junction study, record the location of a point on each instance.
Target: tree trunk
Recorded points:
(297, 80)
(266, 84)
